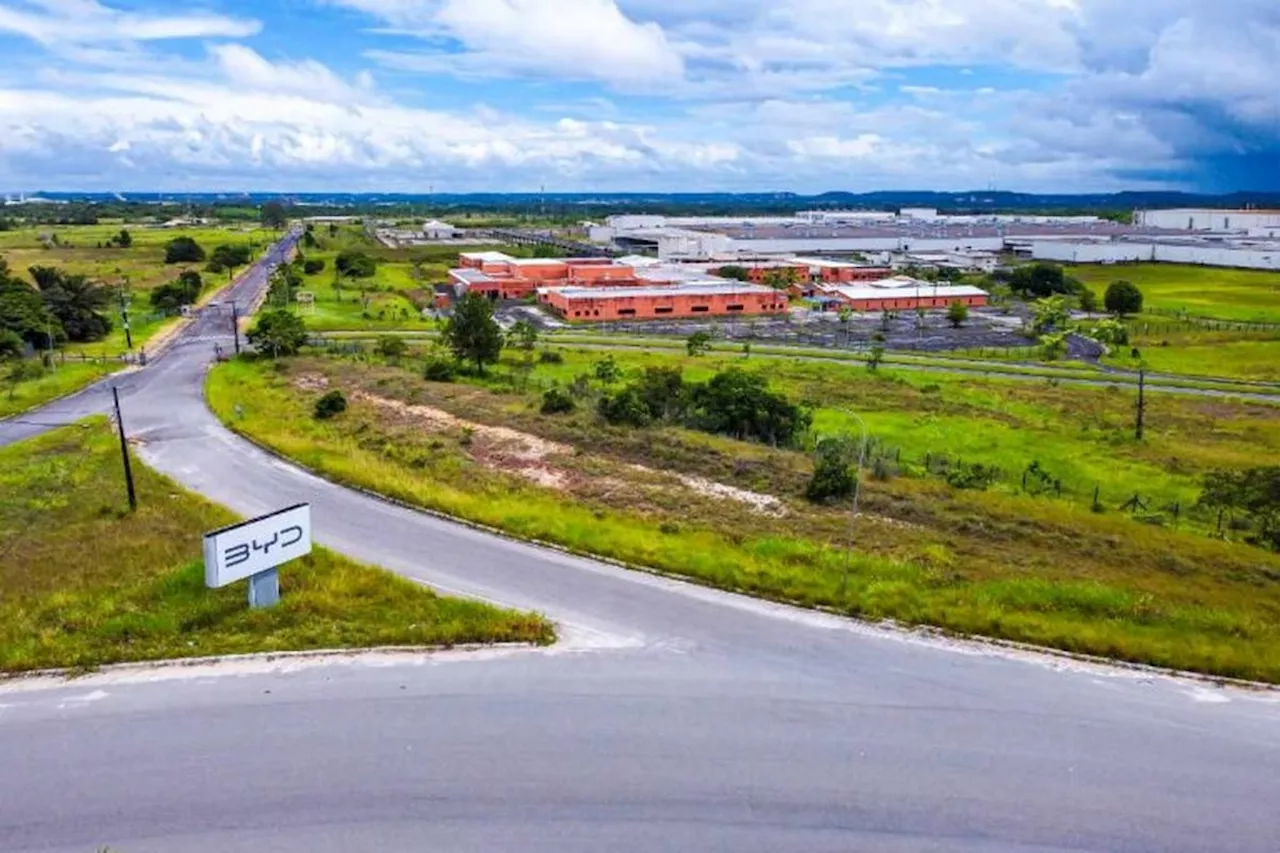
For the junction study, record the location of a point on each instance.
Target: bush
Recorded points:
(391, 347)
(278, 333)
(313, 265)
(183, 250)
(440, 370)
(332, 403)
(1123, 297)
(11, 344)
(966, 475)
(834, 476)
(556, 401)
(550, 356)
(625, 407)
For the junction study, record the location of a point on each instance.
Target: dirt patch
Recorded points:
(532, 457)
(311, 381)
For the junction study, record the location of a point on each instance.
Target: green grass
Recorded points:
(66, 379)
(997, 563)
(85, 583)
(1228, 294)
(1252, 357)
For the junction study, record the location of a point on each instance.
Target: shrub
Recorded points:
(833, 470)
(975, 475)
(440, 370)
(556, 401)
(550, 356)
(183, 250)
(278, 333)
(313, 265)
(1123, 297)
(332, 403)
(391, 346)
(625, 407)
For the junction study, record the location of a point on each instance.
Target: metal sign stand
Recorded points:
(264, 589)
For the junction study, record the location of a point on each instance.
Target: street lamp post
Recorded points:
(857, 489)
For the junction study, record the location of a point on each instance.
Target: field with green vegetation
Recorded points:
(65, 379)
(1145, 583)
(393, 297)
(1226, 294)
(1250, 356)
(141, 595)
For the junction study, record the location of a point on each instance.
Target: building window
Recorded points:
(626, 312)
(666, 310)
(700, 309)
(734, 308)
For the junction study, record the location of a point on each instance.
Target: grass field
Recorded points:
(84, 583)
(1253, 357)
(998, 562)
(1228, 294)
(65, 379)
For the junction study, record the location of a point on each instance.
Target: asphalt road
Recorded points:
(671, 718)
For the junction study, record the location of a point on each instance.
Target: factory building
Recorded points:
(682, 301)
(1212, 252)
(902, 293)
(1202, 219)
(500, 276)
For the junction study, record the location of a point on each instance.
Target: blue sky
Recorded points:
(647, 95)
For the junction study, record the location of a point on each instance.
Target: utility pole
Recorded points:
(235, 324)
(124, 314)
(1142, 403)
(124, 451)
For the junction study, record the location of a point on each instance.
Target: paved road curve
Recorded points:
(672, 718)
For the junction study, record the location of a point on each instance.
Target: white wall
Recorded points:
(1214, 256)
(1196, 219)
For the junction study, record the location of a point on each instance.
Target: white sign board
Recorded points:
(242, 550)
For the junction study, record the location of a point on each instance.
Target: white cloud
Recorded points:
(85, 22)
(592, 40)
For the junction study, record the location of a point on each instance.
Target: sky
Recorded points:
(639, 95)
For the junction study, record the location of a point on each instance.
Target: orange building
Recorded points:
(500, 276)
(909, 298)
(704, 299)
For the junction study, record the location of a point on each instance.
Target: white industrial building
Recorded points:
(1203, 219)
(1243, 254)
(437, 230)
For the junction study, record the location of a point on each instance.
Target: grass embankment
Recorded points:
(84, 583)
(66, 379)
(1227, 294)
(996, 563)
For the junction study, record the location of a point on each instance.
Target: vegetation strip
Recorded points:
(995, 561)
(142, 597)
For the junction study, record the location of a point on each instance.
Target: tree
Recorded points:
(21, 370)
(1041, 280)
(1050, 315)
(24, 313)
(312, 266)
(834, 474)
(1088, 300)
(736, 273)
(183, 250)
(11, 344)
(957, 314)
(228, 257)
(876, 354)
(274, 215)
(663, 392)
(472, 334)
(845, 315)
(625, 407)
(354, 264)
(1123, 297)
(330, 405)
(557, 401)
(278, 333)
(525, 335)
(740, 404)
(184, 290)
(1253, 492)
(699, 343)
(124, 239)
(76, 302)
(780, 279)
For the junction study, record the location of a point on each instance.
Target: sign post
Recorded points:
(255, 549)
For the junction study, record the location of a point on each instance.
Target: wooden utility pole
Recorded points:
(1142, 403)
(124, 451)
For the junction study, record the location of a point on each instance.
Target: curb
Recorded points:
(70, 674)
(925, 632)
